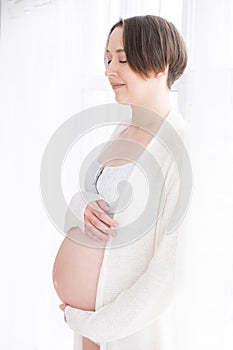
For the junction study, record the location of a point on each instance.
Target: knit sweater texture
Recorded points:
(136, 281)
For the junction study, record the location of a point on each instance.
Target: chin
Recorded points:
(120, 99)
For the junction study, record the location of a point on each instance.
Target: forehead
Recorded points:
(115, 41)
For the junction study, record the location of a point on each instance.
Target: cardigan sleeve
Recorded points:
(74, 216)
(144, 301)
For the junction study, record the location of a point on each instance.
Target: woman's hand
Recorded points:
(97, 223)
(62, 307)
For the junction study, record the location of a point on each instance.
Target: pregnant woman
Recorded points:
(112, 298)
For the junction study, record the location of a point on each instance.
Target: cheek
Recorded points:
(136, 81)
(137, 88)
(135, 85)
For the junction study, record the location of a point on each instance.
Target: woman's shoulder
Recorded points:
(176, 122)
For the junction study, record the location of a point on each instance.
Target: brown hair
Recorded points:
(151, 43)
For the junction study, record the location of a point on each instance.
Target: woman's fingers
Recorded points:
(62, 307)
(105, 218)
(95, 229)
(100, 228)
(102, 204)
(103, 223)
(98, 225)
(96, 234)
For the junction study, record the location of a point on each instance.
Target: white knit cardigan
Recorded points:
(136, 282)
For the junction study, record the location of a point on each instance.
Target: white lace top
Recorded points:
(106, 180)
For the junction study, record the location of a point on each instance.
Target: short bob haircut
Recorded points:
(151, 43)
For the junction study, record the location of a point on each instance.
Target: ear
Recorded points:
(163, 72)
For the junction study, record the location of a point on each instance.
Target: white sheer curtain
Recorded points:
(51, 67)
(43, 65)
(204, 310)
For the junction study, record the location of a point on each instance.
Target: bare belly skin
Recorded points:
(75, 276)
(77, 267)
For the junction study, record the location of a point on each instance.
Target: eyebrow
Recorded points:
(117, 51)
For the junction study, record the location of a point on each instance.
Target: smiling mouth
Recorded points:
(117, 86)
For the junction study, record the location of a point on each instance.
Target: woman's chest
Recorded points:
(127, 147)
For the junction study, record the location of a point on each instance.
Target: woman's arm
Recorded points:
(134, 308)
(144, 301)
(74, 216)
(75, 212)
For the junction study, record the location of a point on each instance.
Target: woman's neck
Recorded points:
(152, 112)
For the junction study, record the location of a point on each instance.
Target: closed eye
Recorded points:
(108, 62)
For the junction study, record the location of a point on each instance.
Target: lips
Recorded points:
(117, 85)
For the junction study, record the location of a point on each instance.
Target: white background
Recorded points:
(51, 67)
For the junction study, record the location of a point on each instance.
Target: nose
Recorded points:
(110, 70)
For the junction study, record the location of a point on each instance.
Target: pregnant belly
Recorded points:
(76, 273)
